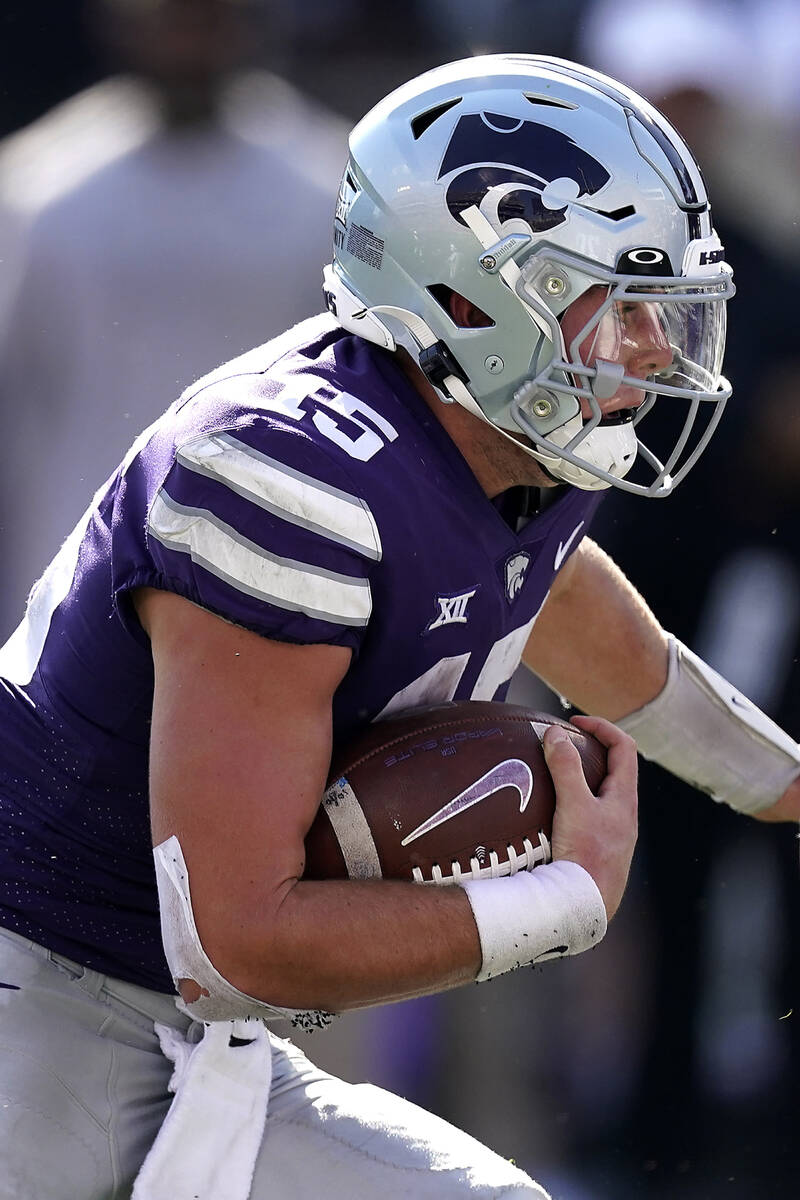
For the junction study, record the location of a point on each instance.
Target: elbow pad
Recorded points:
(703, 730)
(220, 1000)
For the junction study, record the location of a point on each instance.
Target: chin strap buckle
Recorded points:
(437, 363)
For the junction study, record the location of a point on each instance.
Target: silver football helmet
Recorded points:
(567, 210)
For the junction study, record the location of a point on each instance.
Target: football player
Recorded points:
(385, 507)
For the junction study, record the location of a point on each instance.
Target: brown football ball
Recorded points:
(443, 793)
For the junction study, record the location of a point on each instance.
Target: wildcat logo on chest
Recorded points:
(515, 571)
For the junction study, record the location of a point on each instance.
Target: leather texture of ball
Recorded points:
(443, 793)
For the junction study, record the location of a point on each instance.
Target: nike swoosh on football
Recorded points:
(511, 773)
(563, 547)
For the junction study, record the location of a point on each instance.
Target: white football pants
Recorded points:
(83, 1091)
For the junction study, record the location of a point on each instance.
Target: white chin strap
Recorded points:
(611, 448)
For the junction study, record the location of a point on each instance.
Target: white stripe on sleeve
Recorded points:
(284, 491)
(249, 568)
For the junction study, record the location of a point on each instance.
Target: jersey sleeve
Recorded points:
(265, 529)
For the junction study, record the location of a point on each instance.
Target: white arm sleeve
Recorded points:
(704, 731)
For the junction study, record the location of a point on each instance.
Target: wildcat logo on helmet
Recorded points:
(499, 153)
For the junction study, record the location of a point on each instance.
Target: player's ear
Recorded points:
(466, 314)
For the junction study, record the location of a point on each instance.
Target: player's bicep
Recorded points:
(548, 620)
(596, 640)
(240, 748)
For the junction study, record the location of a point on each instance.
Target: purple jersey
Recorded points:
(306, 492)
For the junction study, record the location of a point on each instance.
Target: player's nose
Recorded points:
(653, 352)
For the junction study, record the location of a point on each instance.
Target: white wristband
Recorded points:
(536, 915)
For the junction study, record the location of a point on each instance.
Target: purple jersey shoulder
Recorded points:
(306, 492)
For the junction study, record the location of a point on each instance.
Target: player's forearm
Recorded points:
(338, 945)
(246, 940)
(596, 641)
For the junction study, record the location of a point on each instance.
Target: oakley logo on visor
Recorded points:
(644, 260)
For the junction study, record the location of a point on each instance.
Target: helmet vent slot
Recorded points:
(424, 121)
(616, 214)
(548, 101)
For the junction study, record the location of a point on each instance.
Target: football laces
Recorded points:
(531, 856)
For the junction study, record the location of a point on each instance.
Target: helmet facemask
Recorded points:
(642, 338)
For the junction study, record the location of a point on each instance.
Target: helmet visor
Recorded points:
(665, 340)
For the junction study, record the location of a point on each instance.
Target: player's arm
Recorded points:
(240, 748)
(597, 642)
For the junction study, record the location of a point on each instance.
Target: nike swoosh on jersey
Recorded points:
(563, 547)
(511, 773)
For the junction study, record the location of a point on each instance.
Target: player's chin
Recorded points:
(629, 398)
(622, 405)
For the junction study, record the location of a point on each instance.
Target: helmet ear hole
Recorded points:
(461, 311)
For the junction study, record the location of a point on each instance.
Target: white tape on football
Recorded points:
(352, 831)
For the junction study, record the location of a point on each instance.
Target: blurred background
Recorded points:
(167, 176)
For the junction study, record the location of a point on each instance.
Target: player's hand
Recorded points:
(597, 832)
